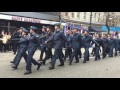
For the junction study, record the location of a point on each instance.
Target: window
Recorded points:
(85, 15)
(98, 17)
(78, 15)
(66, 13)
(72, 15)
(95, 16)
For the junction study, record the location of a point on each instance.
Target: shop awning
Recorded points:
(96, 29)
(113, 29)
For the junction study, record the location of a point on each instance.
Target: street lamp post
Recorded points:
(90, 21)
(59, 16)
(107, 19)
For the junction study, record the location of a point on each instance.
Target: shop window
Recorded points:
(84, 15)
(78, 15)
(66, 13)
(72, 15)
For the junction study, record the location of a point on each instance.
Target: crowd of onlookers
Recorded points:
(6, 44)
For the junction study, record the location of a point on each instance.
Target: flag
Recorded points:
(81, 27)
(65, 29)
(114, 34)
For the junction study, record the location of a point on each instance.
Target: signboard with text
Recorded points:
(16, 18)
(24, 19)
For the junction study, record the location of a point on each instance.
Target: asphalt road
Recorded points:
(104, 68)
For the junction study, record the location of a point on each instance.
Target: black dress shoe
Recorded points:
(95, 59)
(103, 58)
(99, 58)
(87, 59)
(43, 62)
(27, 72)
(76, 61)
(11, 61)
(38, 66)
(61, 65)
(84, 61)
(51, 68)
(70, 63)
(14, 67)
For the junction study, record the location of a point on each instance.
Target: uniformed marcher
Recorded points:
(97, 48)
(49, 45)
(79, 51)
(1, 43)
(24, 40)
(111, 45)
(15, 40)
(117, 41)
(86, 43)
(104, 46)
(75, 43)
(58, 37)
(32, 47)
(42, 41)
(119, 45)
(68, 50)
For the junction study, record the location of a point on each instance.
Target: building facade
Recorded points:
(98, 19)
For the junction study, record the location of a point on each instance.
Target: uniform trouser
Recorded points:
(1, 46)
(15, 47)
(9, 47)
(43, 50)
(108, 50)
(48, 54)
(111, 50)
(4, 47)
(86, 56)
(79, 52)
(57, 54)
(30, 60)
(68, 52)
(62, 54)
(97, 56)
(21, 53)
(116, 49)
(74, 54)
(93, 50)
(104, 52)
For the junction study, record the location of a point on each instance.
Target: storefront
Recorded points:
(11, 22)
(112, 29)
